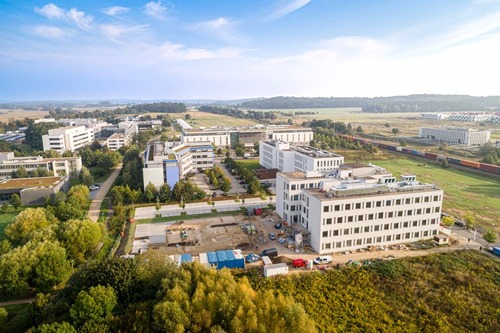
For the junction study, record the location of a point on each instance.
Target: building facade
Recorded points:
(465, 136)
(68, 138)
(60, 166)
(350, 213)
(33, 191)
(165, 162)
(118, 140)
(280, 155)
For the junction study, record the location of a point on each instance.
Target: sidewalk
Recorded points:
(199, 208)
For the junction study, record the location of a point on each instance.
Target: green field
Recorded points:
(250, 164)
(463, 191)
(6, 218)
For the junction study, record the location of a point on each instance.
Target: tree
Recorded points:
(66, 210)
(81, 193)
(359, 130)
(225, 185)
(118, 195)
(448, 221)
(470, 220)
(239, 150)
(15, 201)
(490, 237)
(395, 131)
(63, 327)
(187, 117)
(133, 195)
(157, 206)
(95, 305)
(26, 222)
(80, 238)
(52, 266)
(3, 317)
(85, 177)
(5, 207)
(165, 193)
(387, 125)
(150, 192)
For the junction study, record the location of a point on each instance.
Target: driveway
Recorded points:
(95, 206)
(235, 185)
(199, 180)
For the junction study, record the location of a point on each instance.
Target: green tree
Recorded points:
(67, 210)
(448, 221)
(118, 195)
(165, 192)
(26, 222)
(133, 196)
(187, 117)
(15, 201)
(470, 220)
(359, 130)
(95, 305)
(490, 236)
(395, 131)
(81, 193)
(52, 266)
(239, 150)
(387, 125)
(5, 207)
(80, 238)
(3, 317)
(150, 192)
(225, 185)
(85, 177)
(63, 327)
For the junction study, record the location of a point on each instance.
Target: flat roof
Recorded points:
(14, 183)
(355, 165)
(298, 175)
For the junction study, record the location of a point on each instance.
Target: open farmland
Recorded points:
(463, 191)
(199, 118)
(13, 114)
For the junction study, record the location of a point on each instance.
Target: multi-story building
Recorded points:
(118, 140)
(68, 138)
(94, 124)
(280, 155)
(473, 117)
(466, 136)
(342, 214)
(166, 162)
(434, 116)
(247, 135)
(61, 166)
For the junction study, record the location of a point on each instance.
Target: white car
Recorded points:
(93, 187)
(323, 260)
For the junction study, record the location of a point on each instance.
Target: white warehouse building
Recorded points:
(359, 211)
(280, 155)
(466, 136)
(68, 138)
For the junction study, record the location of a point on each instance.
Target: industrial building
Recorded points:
(166, 162)
(68, 138)
(359, 206)
(275, 154)
(59, 166)
(465, 136)
(246, 135)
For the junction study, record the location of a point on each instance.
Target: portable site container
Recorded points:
(185, 258)
(270, 270)
(221, 259)
(203, 258)
(239, 259)
(266, 261)
(230, 259)
(212, 259)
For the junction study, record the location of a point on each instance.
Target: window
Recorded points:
(398, 201)
(424, 222)
(409, 212)
(390, 214)
(434, 232)
(395, 226)
(388, 202)
(433, 221)
(379, 204)
(386, 226)
(339, 219)
(368, 241)
(376, 228)
(367, 229)
(379, 239)
(398, 237)
(436, 210)
(368, 205)
(436, 198)
(294, 187)
(356, 230)
(338, 244)
(419, 211)
(380, 215)
(400, 213)
(358, 205)
(347, 207)
(407, 235)
(325, 233)
(359, 241)
(360, 217)
(415, 223)
(388, 238)
(408, 201)
(302, 186)
(346, 231)
(326, 209)
(370, 216)
(337, 208)
(405, 225)
(329, 220)
(426, 199)
(428, 211)
(350, 218)
(348, 243)
(426, 233)
(417, 234)
(335, 232)
(417, 200)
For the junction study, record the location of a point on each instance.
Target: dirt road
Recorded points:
(95, 206)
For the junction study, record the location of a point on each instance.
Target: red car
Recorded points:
(299, 263)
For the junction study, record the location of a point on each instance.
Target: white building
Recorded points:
(352, 213)
(94, 124)
(61, 166)
(118, 140)
(247, 135)
(286, 158)
(165, 162)
(434, 116)
(68, 138)
(473, 117)
(466, 136)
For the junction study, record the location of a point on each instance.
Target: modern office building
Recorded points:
(465, 136)
(247, 135)
(60, 166)
(351, 212)
(471, 117)
(280, 155)
(118, 140)
(94, 124)
(434, 116)
(166, 162)
(68, 138)
(33, 191)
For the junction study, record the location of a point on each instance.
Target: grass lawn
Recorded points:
(463, 191)
(6, 218)
(250, 164)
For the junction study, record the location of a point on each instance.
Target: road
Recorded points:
(17, 301)
(470, 235)
(95, 206)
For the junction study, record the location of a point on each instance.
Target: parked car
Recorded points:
(278, 226)
(271, 253)
(252, 258)
(241, 182)
(460, 223)
(299, 263)
(272, 236)
(94, 187)
(321, 260)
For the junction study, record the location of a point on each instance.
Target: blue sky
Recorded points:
(239, 49)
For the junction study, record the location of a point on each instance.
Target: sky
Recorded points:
(218, 49)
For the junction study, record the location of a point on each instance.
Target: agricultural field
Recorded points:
(11, 114)
(463, 191)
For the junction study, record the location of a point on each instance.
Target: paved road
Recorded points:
(470, 235)
(17, 301)
(95, 206)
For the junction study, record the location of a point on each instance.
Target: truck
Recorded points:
(275, 269)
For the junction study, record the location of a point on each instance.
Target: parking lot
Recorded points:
(236, 187)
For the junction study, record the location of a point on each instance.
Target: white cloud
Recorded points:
(51, 32)
(286, 7)
(179, 52)
(221, 28)
(73, 15)
(115, 10)
(115, 32)
(155, 9)
(51, 11)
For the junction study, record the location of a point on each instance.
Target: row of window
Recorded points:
(380, 203)
(379, 215)
(378, 227)
(377, 240)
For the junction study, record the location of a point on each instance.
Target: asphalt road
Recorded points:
(95, 206)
